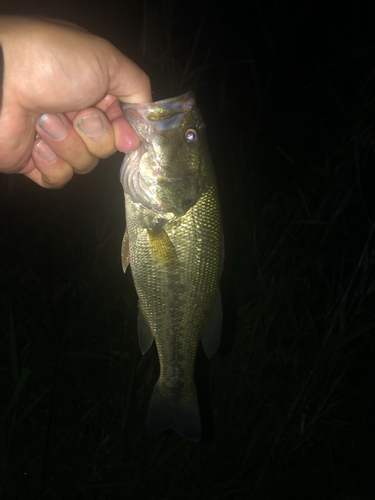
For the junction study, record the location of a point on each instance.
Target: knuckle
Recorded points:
(60, 180)
(87, 166)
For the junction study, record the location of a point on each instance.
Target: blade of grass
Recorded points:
(13, 345)
(31, 407)
(21, 384)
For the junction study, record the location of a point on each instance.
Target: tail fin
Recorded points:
(171, 411)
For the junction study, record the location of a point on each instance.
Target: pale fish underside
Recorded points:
(173, 242)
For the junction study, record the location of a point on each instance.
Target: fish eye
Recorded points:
(191, 136)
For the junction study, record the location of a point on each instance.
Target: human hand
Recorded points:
(63, 83)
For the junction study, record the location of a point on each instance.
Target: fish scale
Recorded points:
(173, 243)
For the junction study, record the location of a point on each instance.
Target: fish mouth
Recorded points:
(163, 109)
(154, 186)
(166, 114)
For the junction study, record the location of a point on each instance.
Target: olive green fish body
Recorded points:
(173, 243)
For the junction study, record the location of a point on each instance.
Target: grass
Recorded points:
(288, 402)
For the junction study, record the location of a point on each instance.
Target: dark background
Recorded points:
(288, 401)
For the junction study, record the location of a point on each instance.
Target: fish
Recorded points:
(173, 243)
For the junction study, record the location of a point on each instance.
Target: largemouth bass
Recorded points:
(174, 245)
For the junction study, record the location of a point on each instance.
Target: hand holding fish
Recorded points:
(62, 83)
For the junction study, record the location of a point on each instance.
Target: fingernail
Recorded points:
(45, 151)
(91, 125)
(52, 125)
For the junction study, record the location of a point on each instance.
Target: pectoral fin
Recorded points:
(145, 337)
(125, 257)
(211, 335)
(162, 249)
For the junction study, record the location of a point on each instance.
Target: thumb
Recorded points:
(127, 81)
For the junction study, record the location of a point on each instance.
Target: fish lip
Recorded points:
(159, 114)
(171, 102)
